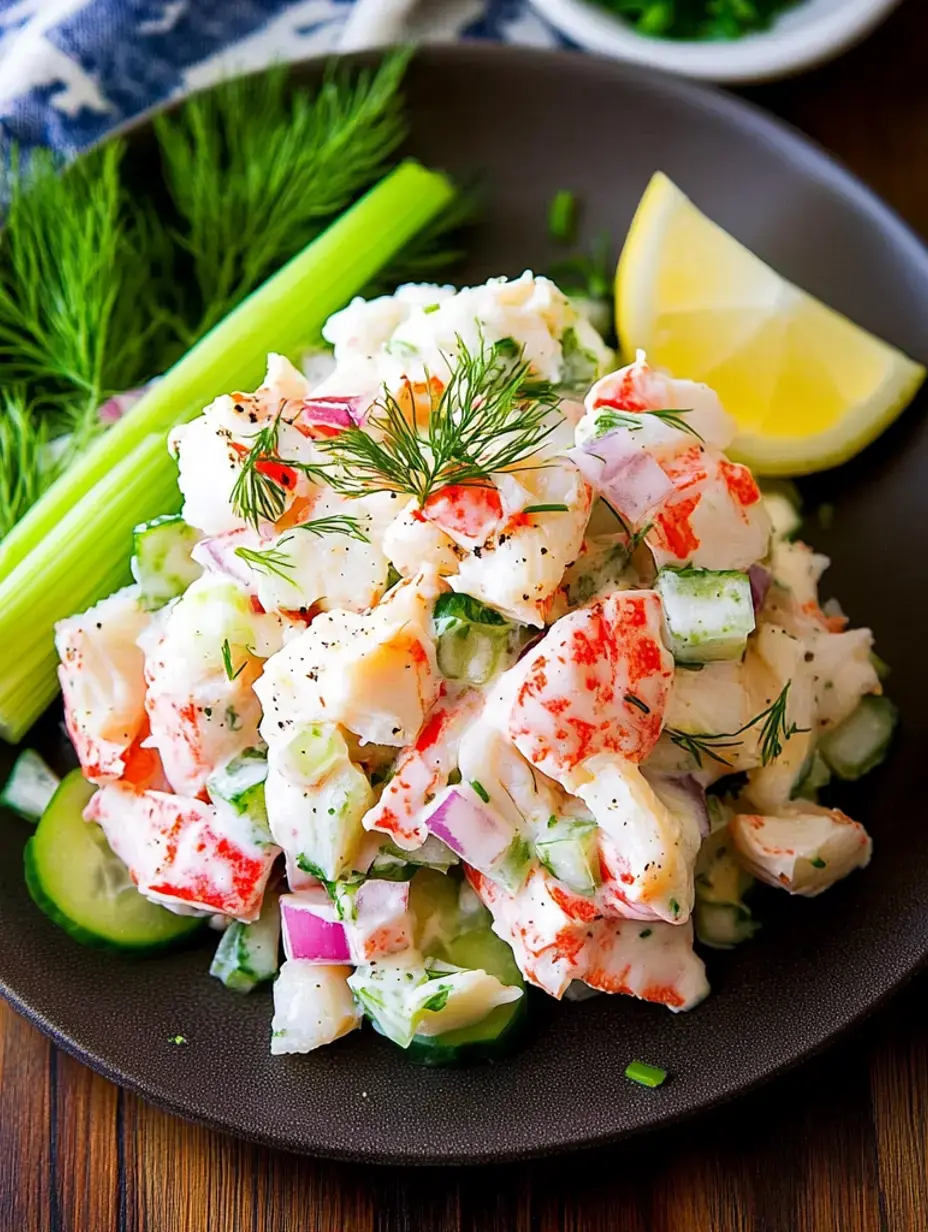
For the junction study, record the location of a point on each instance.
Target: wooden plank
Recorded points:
(85, 1147)
(26, 1198)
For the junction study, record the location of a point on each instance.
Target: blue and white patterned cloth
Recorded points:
(70, 70)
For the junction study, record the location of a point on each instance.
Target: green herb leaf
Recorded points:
(545, 509)
(336, 524)
(773, 735)
(562, 216)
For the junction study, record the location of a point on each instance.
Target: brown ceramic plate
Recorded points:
(531, 123)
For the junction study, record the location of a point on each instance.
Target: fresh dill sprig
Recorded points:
(773, 735)
(269, 560)
(557, 508)
(635, 538)
(231, 673)
(335, 524)
(257, 169)
(25, 468)
(632, 420)
(491, 416)
(261, 486)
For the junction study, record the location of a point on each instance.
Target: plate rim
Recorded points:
(824, 168)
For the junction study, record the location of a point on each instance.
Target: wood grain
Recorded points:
(841, 1146)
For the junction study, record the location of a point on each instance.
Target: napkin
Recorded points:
(72, 70)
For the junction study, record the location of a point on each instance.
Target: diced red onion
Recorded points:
(311, 929)
(471, 831)
(760, 584)
(625, 474)
(329, 415)
(684, 794)
(216, 554)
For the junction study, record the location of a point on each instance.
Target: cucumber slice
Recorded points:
(721, 917)
(78, 882)
(861, 742)
(29, 789)
(451, 929)
(161, 560)
(568, 849)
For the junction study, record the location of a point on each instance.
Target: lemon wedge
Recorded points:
(808, 388)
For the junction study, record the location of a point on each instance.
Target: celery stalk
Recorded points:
(85, 557)
(73, 547)
(284, 314)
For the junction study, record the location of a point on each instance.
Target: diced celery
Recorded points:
(240, 783)
(249, 954)
(474, 641)
(707, 615)
(721, 917)
(29, 789)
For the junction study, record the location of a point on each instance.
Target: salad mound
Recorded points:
(470, 664)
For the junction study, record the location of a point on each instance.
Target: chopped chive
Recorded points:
(674, 906)
(177, 1039)
(818, 862)
(646, 932)
(430, 308)
(481, 791)
(636, 701)
(646, 1075)
(545, 509)
(562, 216)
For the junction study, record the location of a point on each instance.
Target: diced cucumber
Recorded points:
(161, 559)
(579, 367)
(432, 854)
(474, 641)
(707, 615)
(568, 850)
(78, 882)
(249, 954)
(813, 776)
(240, 783)
(861, 742)
(721, 917)
(451, 927)
(29, 789)
(513, 866)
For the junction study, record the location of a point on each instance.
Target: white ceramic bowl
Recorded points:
(810, 33)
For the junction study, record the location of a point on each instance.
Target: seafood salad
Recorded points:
(470, 663)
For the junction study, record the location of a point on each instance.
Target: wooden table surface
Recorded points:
(840, 1146)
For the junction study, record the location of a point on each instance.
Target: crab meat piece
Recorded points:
(638, 388)
(313, 1005)
(102, 674)
(375, 673)
(715, 519)
(597, 682)
(776, 661)
(377, 919)
(805, 849)
(519, 568)
(653, 962)
(518, 792)
(411, 539)
(422, 771)
(647, 851)
(184, 853)
(549, 944)
(200, 717)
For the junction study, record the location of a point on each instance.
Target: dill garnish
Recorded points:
(335, 524)
(774, 732)
(491, 416)
(269, 560)
(632, 420)
(232, 673)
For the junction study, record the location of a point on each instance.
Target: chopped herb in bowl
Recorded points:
(698, 19)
